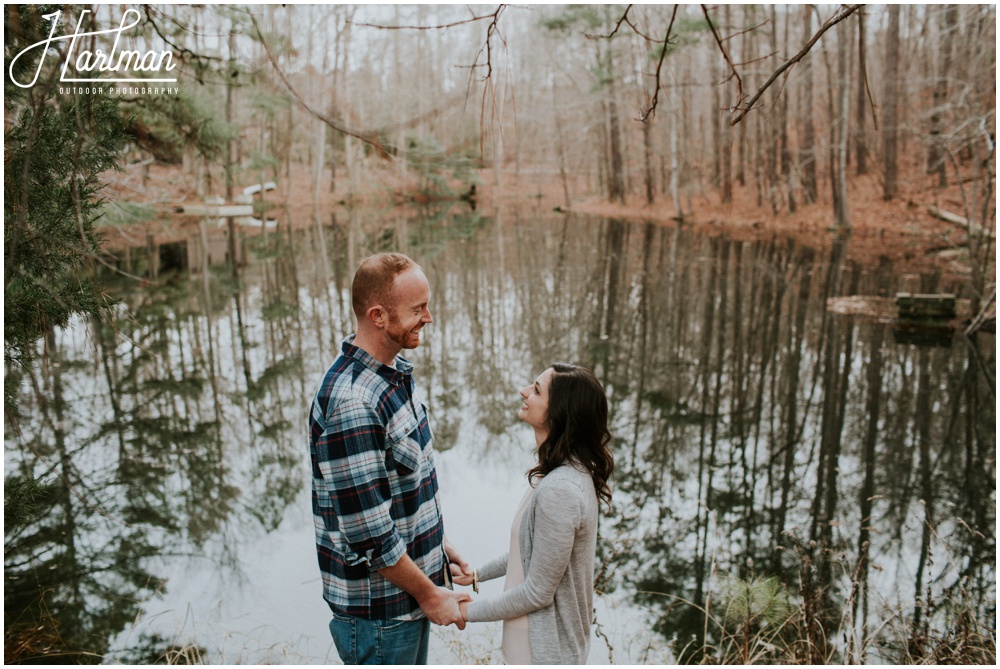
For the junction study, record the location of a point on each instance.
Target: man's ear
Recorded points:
(376, 315)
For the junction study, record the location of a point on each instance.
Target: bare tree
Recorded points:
(890, 130)
(807, 156)
(860, 111)
(842, 218)
(936, 149)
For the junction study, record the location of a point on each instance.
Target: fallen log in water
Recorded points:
(962, 222)
(214, 210)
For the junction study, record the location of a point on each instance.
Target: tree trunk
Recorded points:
(774, 126)
(320, 134)
(715, 120)
(890, 118)
(842, 218)
(675, 119)
(727, 132)
(748, 54)
(647, 138)
(786, 153)
(807, 155)
(231, 144)
(616, 184)
(860, 111)
(560, 144)
(936, 149)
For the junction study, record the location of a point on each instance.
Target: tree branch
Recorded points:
(183, 51)
(438, 27)
(864, 67)
(837, 18)
(367, 138)
(656, 96)
(623, 19)
(493, 28)
(725, 54)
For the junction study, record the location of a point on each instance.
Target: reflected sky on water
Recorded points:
(756, 432)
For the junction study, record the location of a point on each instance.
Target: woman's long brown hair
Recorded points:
(578, 427)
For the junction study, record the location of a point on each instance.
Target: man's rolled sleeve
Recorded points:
(352, 459)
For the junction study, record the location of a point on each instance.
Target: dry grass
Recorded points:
(39, 641)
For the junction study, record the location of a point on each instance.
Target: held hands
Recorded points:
(443, 607)
(463, 607)
(459, 576)
(461, 572)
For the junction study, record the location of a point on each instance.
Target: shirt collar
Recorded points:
(397, 376)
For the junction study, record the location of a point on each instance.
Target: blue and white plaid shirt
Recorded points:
(374, 485)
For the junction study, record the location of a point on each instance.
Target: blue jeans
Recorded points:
(361, 641)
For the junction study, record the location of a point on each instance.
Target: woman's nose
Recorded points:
(523, 392)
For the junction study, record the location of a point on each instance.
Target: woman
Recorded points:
(547, 602)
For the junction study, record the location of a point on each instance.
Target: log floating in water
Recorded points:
(214, 210)
(256, 188)
(941, 305)
(961, 222)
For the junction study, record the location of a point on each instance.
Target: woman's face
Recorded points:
(535, 410)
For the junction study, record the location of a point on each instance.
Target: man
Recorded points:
(379, 532)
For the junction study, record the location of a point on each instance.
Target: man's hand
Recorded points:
(442, 607)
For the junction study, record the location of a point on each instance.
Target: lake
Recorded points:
(756, 433)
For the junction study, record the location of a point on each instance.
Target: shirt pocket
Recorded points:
(404, 442)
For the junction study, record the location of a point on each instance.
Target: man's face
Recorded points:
(409, 312)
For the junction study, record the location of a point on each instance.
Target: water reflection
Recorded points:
(756, 432)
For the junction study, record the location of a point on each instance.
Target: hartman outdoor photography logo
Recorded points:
(87, 68)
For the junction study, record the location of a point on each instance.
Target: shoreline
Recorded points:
(902, 231)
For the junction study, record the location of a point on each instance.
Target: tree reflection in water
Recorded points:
(757, 433)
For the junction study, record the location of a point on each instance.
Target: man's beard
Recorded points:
(404, 338)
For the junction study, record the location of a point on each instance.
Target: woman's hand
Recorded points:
(461, 572)
(459, 577)
(463, 608)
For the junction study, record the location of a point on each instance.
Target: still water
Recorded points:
(756, 434)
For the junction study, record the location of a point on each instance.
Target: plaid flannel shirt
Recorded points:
(374, 486)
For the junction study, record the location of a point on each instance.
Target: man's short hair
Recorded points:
(374, 279)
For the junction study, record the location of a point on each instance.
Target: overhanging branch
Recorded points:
(845, 11)
(656, 95)
(725, 54)
(366, 137)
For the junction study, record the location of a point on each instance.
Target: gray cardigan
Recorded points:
(558, 542)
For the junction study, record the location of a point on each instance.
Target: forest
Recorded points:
(653, 105)
(700, 202)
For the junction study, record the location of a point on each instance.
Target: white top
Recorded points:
(515, 647)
